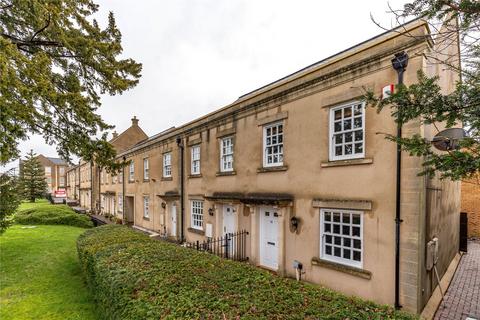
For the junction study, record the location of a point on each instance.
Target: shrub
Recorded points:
(135, 277)
(52, 214)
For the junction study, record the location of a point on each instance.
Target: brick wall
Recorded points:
(471, 205)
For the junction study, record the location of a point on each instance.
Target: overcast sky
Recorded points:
(199, 55)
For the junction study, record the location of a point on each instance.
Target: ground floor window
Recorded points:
(120, 202)
(341, 236)
(146, 206)
(197, 214)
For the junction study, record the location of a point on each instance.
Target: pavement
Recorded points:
(462, 299)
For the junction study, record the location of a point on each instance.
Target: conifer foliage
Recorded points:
(55, 62)
(33, 184)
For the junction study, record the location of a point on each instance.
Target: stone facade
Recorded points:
(272, 157)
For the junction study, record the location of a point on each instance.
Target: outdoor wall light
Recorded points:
(294, 223)
(210, 211)
(164, 205)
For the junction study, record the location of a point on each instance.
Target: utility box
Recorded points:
(432, 253)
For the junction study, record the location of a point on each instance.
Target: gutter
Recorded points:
(399, 63)
(181, 145)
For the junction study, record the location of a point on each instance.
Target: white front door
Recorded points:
(229, 217)
(269, 237)
(173, 220)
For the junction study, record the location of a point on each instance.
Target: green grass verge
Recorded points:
(45, 213)
(134, 277)
(40, 275)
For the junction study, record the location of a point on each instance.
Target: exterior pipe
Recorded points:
(182, 187)
(91, 187)
(399, 63)
(123, 192)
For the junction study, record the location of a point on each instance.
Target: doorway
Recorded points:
(269, 237)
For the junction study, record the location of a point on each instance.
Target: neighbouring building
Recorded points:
(471, 205)
(55, 172)
(300, 165)
(85, 178)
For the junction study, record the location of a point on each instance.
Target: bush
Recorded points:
(44, 213)
(135, 277)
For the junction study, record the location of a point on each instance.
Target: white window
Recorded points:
(114, 178)
(120, 202)
(195, 160)
(61, 182)
(62, 171)
(167, 165)
(120, 177)
(273, 145)
(146, 174)
(341, 236)
(48, 170)
(146, 208)
(226, 154)
(131, 175)
(197, 214)
(347, 131)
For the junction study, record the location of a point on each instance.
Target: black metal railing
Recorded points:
(231, 246)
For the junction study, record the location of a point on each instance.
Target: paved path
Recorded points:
(462, 299)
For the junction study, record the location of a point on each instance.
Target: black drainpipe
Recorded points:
(182, 180)
(99, 190)
(399, 63)
(123, 192)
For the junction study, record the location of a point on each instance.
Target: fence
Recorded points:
(231, 246)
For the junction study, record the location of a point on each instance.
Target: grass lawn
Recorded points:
(40, 275)
(29, 205)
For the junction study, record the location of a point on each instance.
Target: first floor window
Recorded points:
(146, 206)
(62, 182)
(120, 202)
(131, 176)
(146, 174)
(347, 131)
(197, 214)
(341, 236)
(48, 170)
(226, 154)
(273, 145)
(195, 160)
(167, 165)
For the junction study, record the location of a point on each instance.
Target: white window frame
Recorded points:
(195, 159)
(146, 169)
(120, 203)
(61, 181)
(196, 214)
(167, 165)
(131, 171)
(146, 206)
(61, 171)
(226, 165)
(280, 155)
(48, 170)
(323, 237)
(332, 134)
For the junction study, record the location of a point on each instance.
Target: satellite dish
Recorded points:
(448, 139)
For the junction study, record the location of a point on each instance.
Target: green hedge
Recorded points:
(134, 277)
(52, 214)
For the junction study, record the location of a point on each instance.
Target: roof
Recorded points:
(58, 161)
(251, 96)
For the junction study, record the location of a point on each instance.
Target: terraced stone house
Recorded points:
(300, 165)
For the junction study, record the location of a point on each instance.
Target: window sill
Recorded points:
(272, 169)
(131, 181)
(146, 180)
(146, 219)
(198, 175)
(226, 173)
(339, 163)
(197, 231)
(167, 179)
(362, 273)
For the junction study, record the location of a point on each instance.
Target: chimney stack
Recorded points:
(134, 121)
(115, 134)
